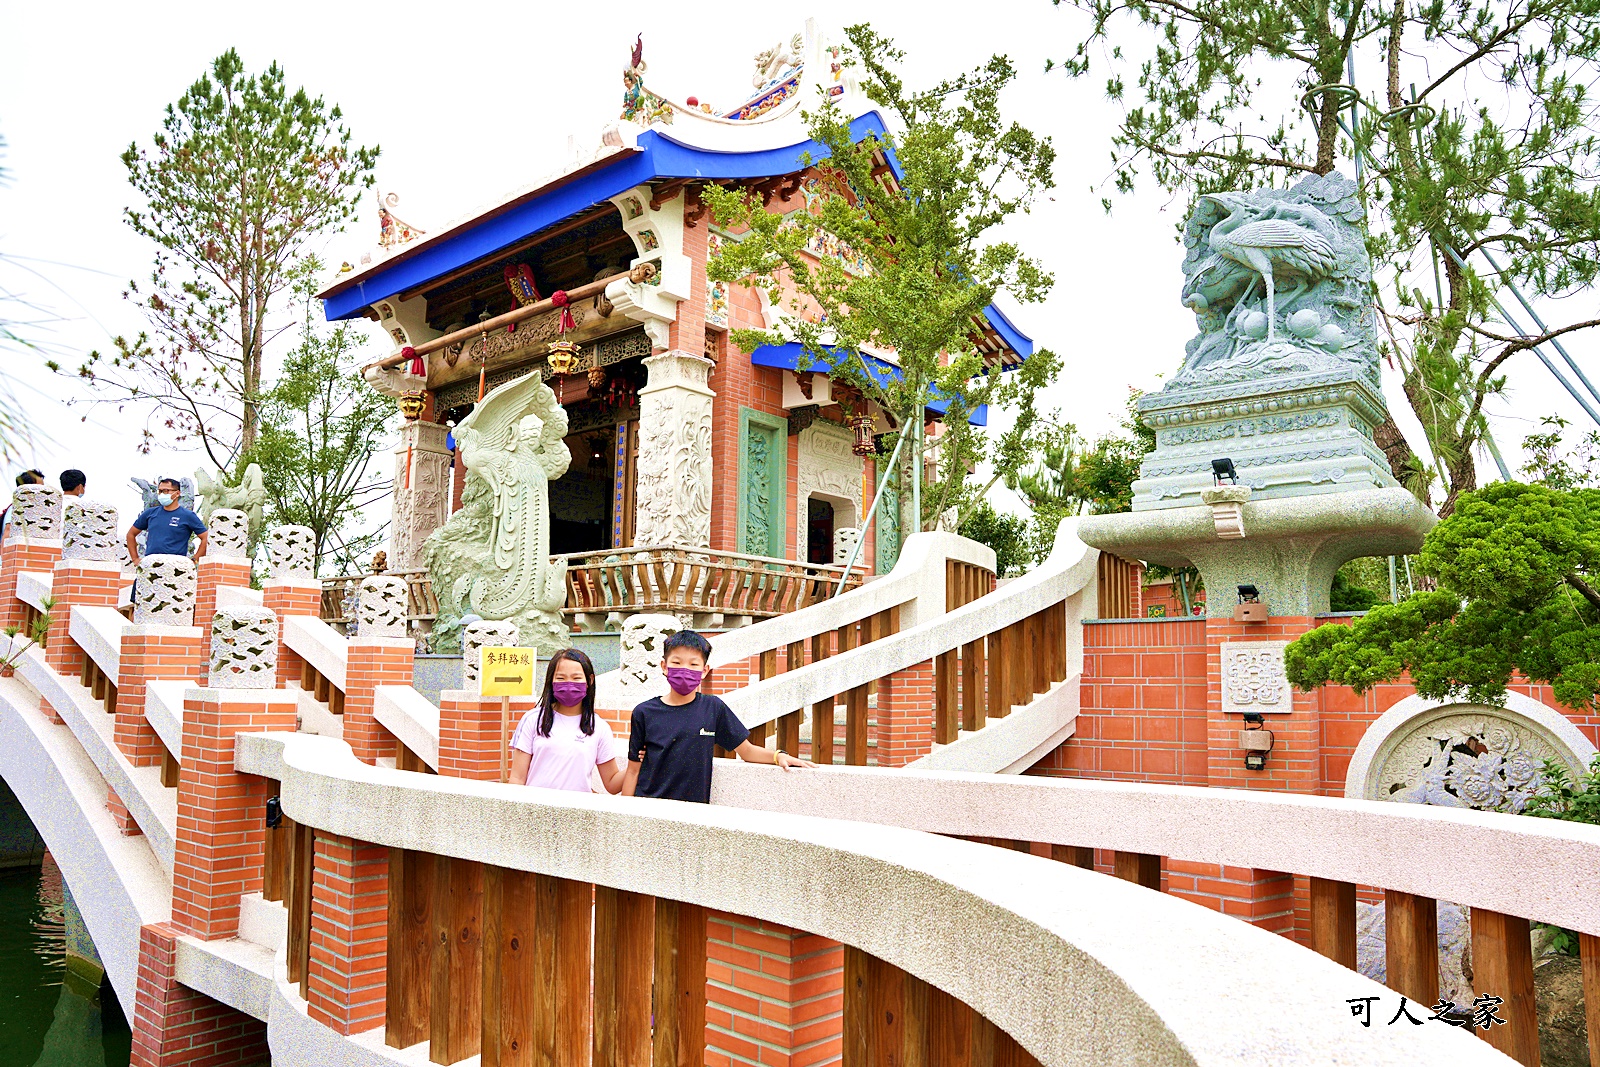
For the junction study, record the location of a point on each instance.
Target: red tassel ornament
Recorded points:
(418, 367)
(559, 299)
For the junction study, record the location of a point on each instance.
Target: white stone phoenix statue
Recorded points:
(512, 447)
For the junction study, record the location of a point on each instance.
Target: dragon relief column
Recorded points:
(674, 482)
(421, 491)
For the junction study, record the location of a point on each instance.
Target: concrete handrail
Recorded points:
(33, 588)
(412, 718)
(318, 644)
(1068, 571)
(1540, 869)
(1077, 967)
(98, 631)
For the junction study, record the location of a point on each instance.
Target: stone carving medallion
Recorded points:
(163, 594)
(90, 531)
(244, 649)
(1253, 678)
(36, 512)
(381, 606)
(477, 636)
(292, 551)
(1466, 756)
(642, 637)
(230, 533)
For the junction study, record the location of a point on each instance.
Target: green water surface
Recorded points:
(49, 1017)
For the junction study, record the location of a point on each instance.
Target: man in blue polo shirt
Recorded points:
(167, 527)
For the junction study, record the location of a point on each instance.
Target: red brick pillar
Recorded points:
(286, 597)
(78, 583)
(211, 574)
(774, 995)
(372, 662)
(1265, 898)
(126, 825)
(349, 934)
(16, 556)
(905, 715)
(173, 1026)
(151, 654)
(470, 738)
(221, 812)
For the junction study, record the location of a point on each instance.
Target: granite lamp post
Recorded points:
(1265, 472)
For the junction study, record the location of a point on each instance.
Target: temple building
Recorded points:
(677, 437)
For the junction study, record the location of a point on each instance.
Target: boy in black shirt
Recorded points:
(670, 745)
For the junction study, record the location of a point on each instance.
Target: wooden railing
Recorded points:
(1115, 579)
(421, 605)
(960, 682)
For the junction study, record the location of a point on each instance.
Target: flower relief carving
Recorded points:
(1253, 677)
(1482, 759)
(381, 606)
(477, 636)
(291, 549)
(164, 591)
(230, 533)
(244, 649)
(90, 531)
(36, 512)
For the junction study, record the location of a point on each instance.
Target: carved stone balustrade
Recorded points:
(230, 534)
(164, 593)
(244, 648)
(382, 606)
(90, 531)
(477, 636)
(293, 551)
(36, 513)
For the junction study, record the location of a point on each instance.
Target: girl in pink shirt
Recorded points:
(561, 741)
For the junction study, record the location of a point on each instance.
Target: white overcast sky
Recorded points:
(471, 99)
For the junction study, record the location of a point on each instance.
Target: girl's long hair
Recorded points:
(547, 704)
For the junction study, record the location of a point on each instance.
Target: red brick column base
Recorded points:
(774, 995)
(470, 738)
(77, 583)
(16, 557)
(349, 934)
(211, 574)
(221, 813)
(286, 597)
(905, 715)
(120, 815)
(173, 1026)
(372, 662)
(1261, 898)
(151, 654)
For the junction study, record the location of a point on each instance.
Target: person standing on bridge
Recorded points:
(670, 747)
(561, 743)
(167, 526)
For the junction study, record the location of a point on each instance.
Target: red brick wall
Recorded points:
(373, 662)
(905, 715)
(16, 557)
(471, 738)
(173, 1026)
(213, 573)
(151, 653)
(774, 995)
(349, 934)
(77, 583)
(288, 596)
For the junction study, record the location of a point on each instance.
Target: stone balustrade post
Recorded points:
(905, 715)
(174, 1026)
(379, 654)
(76, 583)
(292, 590)
(33, 542)
(226, 562)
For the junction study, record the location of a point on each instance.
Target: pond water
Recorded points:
(50, 1016)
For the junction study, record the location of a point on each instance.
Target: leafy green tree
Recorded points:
(1547, 466)
(1005, 533)
(1346, 595)
(1515, 567)
(927, 261)
(320, 427)
(1477, 140)
(242, 176)
(1560, 797)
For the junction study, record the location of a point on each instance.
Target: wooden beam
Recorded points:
(513, 955)
(1411, 946)
(680, 985)
(822, 710)
(1077, 855)
(624, 950)
(1589, 950)
(1138, 867)
(409, 977)
(1502, 966)
(455, 1028)
(299, 937)
(1333, 920)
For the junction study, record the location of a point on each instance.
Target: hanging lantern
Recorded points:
(563, 356)
(864, 445)
(411, 404)
(597, 379)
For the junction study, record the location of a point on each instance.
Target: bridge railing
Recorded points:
(513, 943)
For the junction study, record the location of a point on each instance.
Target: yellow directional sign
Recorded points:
(506, 672)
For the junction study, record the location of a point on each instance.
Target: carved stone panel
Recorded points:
(36, 512)
(230, 534)
(673, 494)
(421, 501)
(1466, 756)
(381, 609)
(828, 467)
(887, 542)
(642, 637)
(90, 531)
(163, 593)
(845, 539)
(292, 551)
(1253, 678)
(763, 483)
(477, 636)
(244, 649)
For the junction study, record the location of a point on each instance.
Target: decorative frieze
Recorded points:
(827, 467)
(164, 591)
(90, 531)
(763, 483)
(244, 649)
(292, 550)
(382, 606)
(477, 636)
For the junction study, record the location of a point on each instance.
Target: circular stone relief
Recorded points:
(1467, 756)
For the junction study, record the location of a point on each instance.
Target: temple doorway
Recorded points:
(580, 500)
(819, 530)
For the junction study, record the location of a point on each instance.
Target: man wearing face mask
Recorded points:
(167, 527)
(671, 738)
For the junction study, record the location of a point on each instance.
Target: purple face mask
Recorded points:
(684, 680)
(569, 694)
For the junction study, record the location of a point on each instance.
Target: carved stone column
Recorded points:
(421, 492)
(674, 480)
